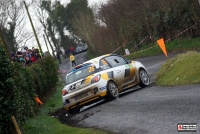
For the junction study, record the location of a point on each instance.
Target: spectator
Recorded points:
(38, 56)
(33, 56)
(58, 52)
(67, 52)
(27, 61)
(19, 54)
(72, 59)
(21, 60)
(26, 48)
(28, 54)
(14, 57)
(72, 50)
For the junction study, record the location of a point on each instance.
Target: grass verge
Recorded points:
(45, 124)
(174, 46)
(184, 69)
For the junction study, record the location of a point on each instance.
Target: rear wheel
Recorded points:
(112, 90)
(144, 78)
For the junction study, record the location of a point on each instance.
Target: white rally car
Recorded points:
(104, 76)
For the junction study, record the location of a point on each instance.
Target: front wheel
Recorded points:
(112, 90)
(144, 78)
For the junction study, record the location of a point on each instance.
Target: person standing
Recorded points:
(72, 49)
(72, 59)
(58, 52)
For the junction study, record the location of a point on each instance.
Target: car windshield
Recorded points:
(80, 73)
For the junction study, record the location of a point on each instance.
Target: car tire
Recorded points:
(112, 90)
(144, 78)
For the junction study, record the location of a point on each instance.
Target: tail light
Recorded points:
(95, 79)
(64, 92)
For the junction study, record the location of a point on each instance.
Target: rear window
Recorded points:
(80, 73)
(79, 48)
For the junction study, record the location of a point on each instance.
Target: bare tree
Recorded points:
(13, 20)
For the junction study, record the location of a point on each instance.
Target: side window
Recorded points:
(116, 61)
(103, 64)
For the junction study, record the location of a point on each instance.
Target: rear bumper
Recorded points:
(86, 101)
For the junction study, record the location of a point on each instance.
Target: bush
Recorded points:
(18, 86)
(24, 96)
(7, 89)
(45, 76)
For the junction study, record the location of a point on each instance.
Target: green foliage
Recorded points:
(175, 71)
(75, 7)
(9, 36)
(18, 86)
(59, 20)
(175, 46)
(130, 21)
(7, 88)
(44, 121)
(24, 94)
(90, 55)
(45, 76)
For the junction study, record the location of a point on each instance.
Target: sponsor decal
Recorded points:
(127, 73)
(128, 66)
(104, 67)
(88, 79)
(110, 74)
(104, 76)
(102, 88)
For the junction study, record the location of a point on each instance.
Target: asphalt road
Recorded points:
(150, 110)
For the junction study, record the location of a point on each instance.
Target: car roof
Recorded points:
(95, 61)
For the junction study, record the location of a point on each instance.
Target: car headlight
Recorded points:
(96, 78)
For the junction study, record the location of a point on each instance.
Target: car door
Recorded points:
(118, 69)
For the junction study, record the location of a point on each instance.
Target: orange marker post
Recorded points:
(38, 100)
(161, 43)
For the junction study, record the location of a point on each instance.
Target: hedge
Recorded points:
(18, 87)
(7, 90)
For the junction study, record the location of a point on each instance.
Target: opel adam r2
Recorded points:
(104, 76)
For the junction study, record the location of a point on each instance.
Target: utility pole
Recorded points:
(33, 28)
(3, 42)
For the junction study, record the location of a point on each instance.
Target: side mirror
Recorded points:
(129, 61)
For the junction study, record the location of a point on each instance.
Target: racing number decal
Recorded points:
(91, 69)
(72, 87)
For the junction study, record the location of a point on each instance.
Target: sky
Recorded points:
(32, 42)
(90, 2)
